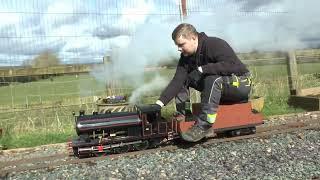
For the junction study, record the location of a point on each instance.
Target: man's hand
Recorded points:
(160, 103)
(195, 75)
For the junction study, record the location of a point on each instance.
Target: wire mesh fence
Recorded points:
(79, 31)
(74, 32)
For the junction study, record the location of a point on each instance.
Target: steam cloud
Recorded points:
(156, 84)
(246, 25)
(265, 25)
(149, 46)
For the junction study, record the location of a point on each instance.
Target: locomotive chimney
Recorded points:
(81, 112)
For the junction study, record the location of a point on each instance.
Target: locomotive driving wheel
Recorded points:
(121, 149)
(74, 151)
(99, 154)
(142, 146)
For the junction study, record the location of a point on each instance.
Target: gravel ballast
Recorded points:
(285, 156)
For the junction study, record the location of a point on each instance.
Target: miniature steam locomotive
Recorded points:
(119, 132)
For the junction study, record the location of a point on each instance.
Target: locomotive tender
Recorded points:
(119, 132)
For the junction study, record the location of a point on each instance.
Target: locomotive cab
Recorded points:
(152, 122)
(150, 113)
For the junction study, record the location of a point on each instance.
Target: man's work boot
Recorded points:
(195, 133)
(210, 133)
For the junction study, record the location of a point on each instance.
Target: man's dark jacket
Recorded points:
(214, 55)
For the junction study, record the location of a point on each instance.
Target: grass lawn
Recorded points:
(50, 90)
(55, 124)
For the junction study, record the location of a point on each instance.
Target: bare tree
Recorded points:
(44, 59)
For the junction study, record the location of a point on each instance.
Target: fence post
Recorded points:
(293, 73)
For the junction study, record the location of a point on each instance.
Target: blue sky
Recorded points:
(81, 31)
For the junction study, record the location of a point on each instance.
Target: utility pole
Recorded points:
(183, 10)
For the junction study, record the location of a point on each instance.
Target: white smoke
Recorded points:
(261, 25)
(246, 25)
(156, 84)
(65, 28)
(150, 45)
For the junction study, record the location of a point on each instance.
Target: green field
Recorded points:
(53, 123)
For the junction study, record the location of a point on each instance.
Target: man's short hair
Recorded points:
(184, 30)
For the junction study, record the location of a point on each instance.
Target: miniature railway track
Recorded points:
(50, 162)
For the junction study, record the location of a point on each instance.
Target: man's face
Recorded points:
(187, 46)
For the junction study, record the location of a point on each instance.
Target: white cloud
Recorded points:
(136, 15)
(8, 18)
